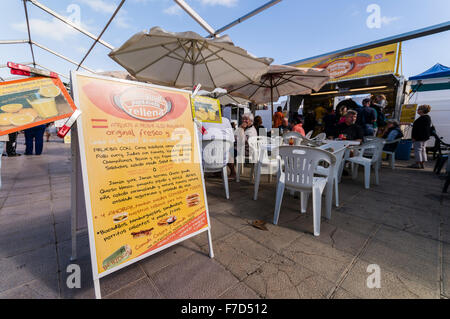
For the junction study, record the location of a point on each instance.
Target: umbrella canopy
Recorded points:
(223, 96)
(185, 59)
(118, 74)
(281, 80)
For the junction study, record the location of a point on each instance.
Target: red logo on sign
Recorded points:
(339, 68)
(143, 103)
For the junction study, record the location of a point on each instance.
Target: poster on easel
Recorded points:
(34, 101)
(408, 114)
(141, 169)
(206, 109)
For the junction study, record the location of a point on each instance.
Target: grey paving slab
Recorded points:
(280, 277)
(36, 289)
(413, 257)
(86, 291)
(445, 270)
(21, 269)
(314, 255)
(141, 289)
(275, 238)
(27, 198)
(241, 255)
(169, 256)
(219, 230)
(240, 291)
(25, 238)
(196, 276)
(392, 285)
(341, 293)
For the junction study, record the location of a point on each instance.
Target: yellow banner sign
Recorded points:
(206, 109)
(408, 113)
(31, 102)
(362, 64)
(143, 185)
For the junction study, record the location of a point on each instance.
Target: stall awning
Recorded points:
(437, 71)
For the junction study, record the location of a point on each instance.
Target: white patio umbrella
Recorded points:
(118, 74)
(223, 96)
(185, 59)
(281, 80)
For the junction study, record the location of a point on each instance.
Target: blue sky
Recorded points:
(289, 31)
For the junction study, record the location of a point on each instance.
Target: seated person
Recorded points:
(392, 133)
(258, 124)
(284, 127)
(242, 134)
(298, 127)
(349, 129)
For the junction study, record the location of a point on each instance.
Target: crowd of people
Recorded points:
(351, 121)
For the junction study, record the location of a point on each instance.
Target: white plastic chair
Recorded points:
(242, 158)
(260, 146)
(391, 154)
(215, 155)
(297, 137)
(373, 151)
(338, 149)
(309, 134)
(319, 137)
(300, 163)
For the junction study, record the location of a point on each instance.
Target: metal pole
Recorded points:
(195, 16)
(73, 25)
(101, 33)
(271, 93)
(245, 17)
(61, 56)
(13, 41)
(29, 33)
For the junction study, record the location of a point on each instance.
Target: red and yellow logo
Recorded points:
(143, 103)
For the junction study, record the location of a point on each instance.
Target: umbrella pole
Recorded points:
(271, 94)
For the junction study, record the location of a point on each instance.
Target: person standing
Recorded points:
(378, 104)
(11, 144)
(368, 117)
(34, 137)
(329, 122)
(421, 133)
(278, 117)
(285, 127)
(3, 140)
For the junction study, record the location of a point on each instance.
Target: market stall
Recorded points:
(374, 71)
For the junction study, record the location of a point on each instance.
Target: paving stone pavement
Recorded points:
(402, 225)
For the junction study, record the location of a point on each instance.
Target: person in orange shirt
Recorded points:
(278, 117)
(298, 127)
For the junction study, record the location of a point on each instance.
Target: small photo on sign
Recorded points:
(31, 102)
(206, 109)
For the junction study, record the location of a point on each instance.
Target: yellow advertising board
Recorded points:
(206, 109)
(31, 102)
(377, 61)
(142, 178)
(408, 113)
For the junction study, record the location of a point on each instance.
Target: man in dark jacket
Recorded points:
(349, 129)
(368, 117)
